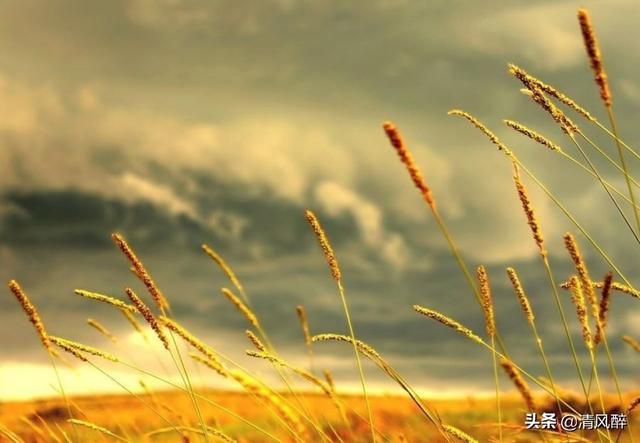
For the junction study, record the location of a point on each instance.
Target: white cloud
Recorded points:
(546, 36)
(136, 188)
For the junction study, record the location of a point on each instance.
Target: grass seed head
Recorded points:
(253, 338)
(141, 272)
(577, 297)
(325, 245)
(31, 311)
(583, 274)
(529, 212)
(475, 122)
(221, 262)
(448, 322)
(635, 344)
(146, 313)
(519, 382)
(533, 135)
(106, 299)
(595, 56)
(241, 306)
(304, 324)
(459, 434)
(522, 296)
(530, 81)
(101, 329)
(406, 158)
(487, 302)
(603, 310)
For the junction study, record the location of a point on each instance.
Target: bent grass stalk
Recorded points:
(252, 318)
(376, 358)
(586, 283)
(600, 76)
(212, 360)
(490, 323)
(563, 153)
(530, 317)
(244, 306)
(453, 324)
(537, 235)
(34, 318)
(334, 268)
(398, 143)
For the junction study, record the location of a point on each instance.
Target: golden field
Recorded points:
(395, 417)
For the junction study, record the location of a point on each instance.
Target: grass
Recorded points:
(321, 410)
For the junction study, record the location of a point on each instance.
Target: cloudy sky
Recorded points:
(178, 122)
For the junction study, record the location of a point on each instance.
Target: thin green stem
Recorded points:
(497, 385)
(358, 362)
(574, 221)
(565, 325)
(546, 364)
(62, 391)
(463, 267)
(613, 200)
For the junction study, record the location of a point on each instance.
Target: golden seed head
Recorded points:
(59, 341)
(487, 302)
(101, 329)
(241, 306)
(529, 211)
(224, 266)
(448, 322)
(253, 338)
(187, 336)
(577, 296)
(71, 350)
(583, 274)
(566, 124)
(329, 378)
(106, 299)
(211, 364)
(634, 403)
(529, 82)
(519, 382)
(406, 158)
(362, 346)
(533, 135)
(141, 272)
(324, 244)
(635, 345)
(31, 311)
(620, 288)
(475, 122)
(595, 56)
(95, 427)
(132, 320)
(146, 313)
(304, 323)
(459, 434)
(522, 296)
(603, 308)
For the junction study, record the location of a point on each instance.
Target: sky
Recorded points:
(182, 122)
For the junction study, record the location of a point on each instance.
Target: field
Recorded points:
(260, 410)
(395, 415)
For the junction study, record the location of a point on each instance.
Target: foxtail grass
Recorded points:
(334, 269)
